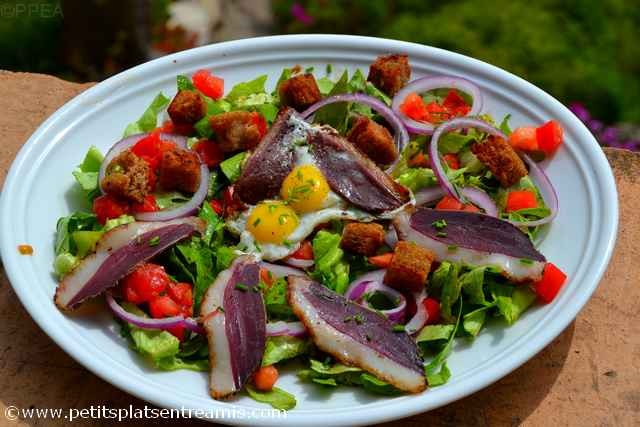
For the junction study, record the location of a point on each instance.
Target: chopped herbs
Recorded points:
(242, 287)
(358, 318)
(526, 261)
(452, 248)
(256, 222)
(398, 328)
(439, 224)
(441, 234)
(154, 241)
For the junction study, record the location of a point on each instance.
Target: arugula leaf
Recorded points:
(371, 90)
(325, 84)
(450, 291)
(224, 257)
(214, 230)
(199, 256)
(439, 378)
(268, 111)
(513, 305)
(174, 363)
(282, 348)
(184, 83)
(339, 374)
(275, 301)
(245, 89)
(77, 221)
(357, 83)
(331, 268)
(473, 322)
(217, 183)
(285, 75)
(232, 167)
(437, 371)
(149, 119)
(276, 397)
(472, 284)
(375, 385)
(504, 125)
(335, 115)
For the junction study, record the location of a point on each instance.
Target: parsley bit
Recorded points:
(439, 224)
(526, 261)
(441, 234)
(154, 241)
(452, 248)
(398, 328)
(347, 319)
(256, 222)
(242, 287)
(368, 337)
(358, 318)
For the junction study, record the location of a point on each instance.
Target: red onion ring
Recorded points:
(372, 282)
(434, 155)
(420, 318)
(281, 270)
(401, 137)
(299, 263)
(545, 185)
(290, 329)
(148, 323)
(473, 194)
(426, 84)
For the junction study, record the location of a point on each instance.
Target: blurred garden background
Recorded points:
(585, 53)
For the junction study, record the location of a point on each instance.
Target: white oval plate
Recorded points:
(38, 191)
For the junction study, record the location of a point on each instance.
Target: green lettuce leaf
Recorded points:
(245, 89)
(184, 83)
(335, 115)
(454, 142)
(436, 371)
(282, 348)
(115, 222)
(472, 284)
(331, 268)
(149, 119)
(339, 374)
(447, 280)
(325, 84)
(199, 258)
(473, 322)
(77, 221)
(232, 167)
(276, 397)
(214, 231)
(275, 301)
(170, 200)
(86, 174)
(417, 178)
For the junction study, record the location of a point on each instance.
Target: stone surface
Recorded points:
(590, 375)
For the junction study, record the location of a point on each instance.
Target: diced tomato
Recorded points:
(419, 161)
(265, 378)
(448, 203)
(208, 84)
(452, 160)
(305, 251)
(150, 148)
(520, 199)
(382, 261)
(149, 205)
(216, 205)
(177, 331)
(181, 293)
(163, 306)
(129, 293)
(151, 179)
(552, 280)
(260, 122)
(267, 277)
(413, 107)
(456, 104)
(470, 207)
(167, 127)
(108, 207)
(209, 152)
(436, 113)
(550, 136)
(146, 282)
(432, 306)
(524, 138)
(180, 128)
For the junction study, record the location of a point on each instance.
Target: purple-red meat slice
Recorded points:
(356, 335)
(233, 314)
(354, 176)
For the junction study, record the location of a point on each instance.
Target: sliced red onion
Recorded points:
(473, 194)
(185, 209)
(290, 329)
(426, 84)
(391, 237)
(281, 270)
(546, 188)
(420, 318)
(401, 137)
(434, 154)
(299, 263)
(148, 323)
(372, 282)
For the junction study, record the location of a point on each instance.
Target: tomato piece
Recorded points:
(520, 199)
(181, 293)
(167, 127)
(305, 251)
(208, 84)
(452, 160)
(209, 152)
(107, 207)
(267, 277)
(524, 138)
(177, 331)
(129, 293)
(382, 261)
(147, 281)
(436, 113)
(455, 104)
(552, 280)
(216, 205)
(163, 306)
(419, 161)
(260, 122)
(550, 136)
(470, 207)
(448, 203)
(413, 107)
(265, 378)
(432, 306)
(150, 149)
(149, 205)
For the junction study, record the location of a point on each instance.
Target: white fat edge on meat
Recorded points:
(513, 268)
(221, 382)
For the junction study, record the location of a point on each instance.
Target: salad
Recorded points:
(357, 225)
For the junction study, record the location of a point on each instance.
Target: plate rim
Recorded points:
(603, 180)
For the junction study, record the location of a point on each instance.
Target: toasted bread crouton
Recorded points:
(362, 238)
(409, 267)
(501, 159)
(235, 131)
(179, 170)
(187, 107)
(299, 92)
(374, 140)
(390, 73)
(127, 177)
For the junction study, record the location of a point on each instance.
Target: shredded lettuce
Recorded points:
(437, 372)
(335, 115)
(86, 174)
(339, 374)
(184, 83)
(276, 397)
(275, 301)
(149, 119)
(282, 348)
(245, 89)
(64, 263)
(331, 268)
(417, 178)
(115, 222)
(170, 200)
(232, 167)
(77, 221)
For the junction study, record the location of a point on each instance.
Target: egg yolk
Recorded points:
(272, 222)
(305, 188)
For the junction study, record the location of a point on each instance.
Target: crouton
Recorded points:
(127, 177)
(409, 267)
(362, 238)
(299, 92)
(235, 131)
(374, 140)
(390, 73)
(187, 107)
(179, 170)
(501, 159)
